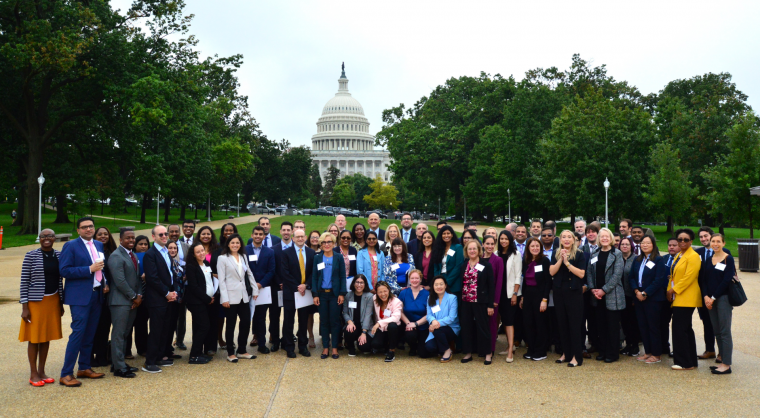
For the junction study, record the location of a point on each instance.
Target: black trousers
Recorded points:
(569, 307)
(415, 338)
(608, 327)
(442, 340)
(243, 311)
(649, 320)
(684, 342)
(200, 327)
(140, 331)
(552, 330)
(519, 323)
(535, 322)
(210, 343)
(259, 324)
(181, 322)
(160, 322)
(630, 323)
(274, 324)
(352, 337)
(476, 328)
(704, 315)
(590, 321)
(288, 324)
(100, 351)
(386, 340)
(172, 311)
(666, 314)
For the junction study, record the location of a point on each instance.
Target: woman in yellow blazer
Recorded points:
(684, 293)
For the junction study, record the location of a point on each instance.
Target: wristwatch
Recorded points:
(644, 294)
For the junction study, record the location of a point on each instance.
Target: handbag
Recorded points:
(736, 295)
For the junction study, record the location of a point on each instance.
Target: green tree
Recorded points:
(736, 172)
(343, 195)
(360, 184)
(315, 182)
(383, 195)
(591, 140)
(668, 185)
(331, 180)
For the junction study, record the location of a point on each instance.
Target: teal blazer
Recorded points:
(453, 268)
(338, 274)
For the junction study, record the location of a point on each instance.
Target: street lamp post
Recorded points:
(158, 205)
(510, 205)
(238, 205)
(606, 206)
(41, 181)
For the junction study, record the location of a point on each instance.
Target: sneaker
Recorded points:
(538, 358)
(351, 352)
(165, 363)
(151, 369)
(527, 356)
(390, 356)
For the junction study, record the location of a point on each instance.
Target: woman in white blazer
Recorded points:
(511, 289)
(236, 287)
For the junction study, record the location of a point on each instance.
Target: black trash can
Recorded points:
(749, 257)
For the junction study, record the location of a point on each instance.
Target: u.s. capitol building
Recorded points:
(343, 139)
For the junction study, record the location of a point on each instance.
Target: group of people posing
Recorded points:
(376, 291)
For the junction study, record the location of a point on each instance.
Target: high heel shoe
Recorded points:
(466, 360)
(487, 362)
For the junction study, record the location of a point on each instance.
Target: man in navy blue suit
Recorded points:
(297, 263)
(81, 265)
(262, 263)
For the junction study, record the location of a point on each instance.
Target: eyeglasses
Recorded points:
(87, 227)
(371, 239)
(348, 238)
(163, 234)
(47, 236)
(547, 235)
(327, 242)
(683, 239)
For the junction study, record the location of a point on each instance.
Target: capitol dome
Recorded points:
(343, 139)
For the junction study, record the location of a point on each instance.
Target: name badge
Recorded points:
(351, 258)
(479, 267)
(253, 257)
(720, 266)
(387, 313)
(380, 242)
(450, 252)
(394, 267)
(436, 309)
(538, 269)
(594, 260)
(650, 264)
(374, 258)
(206, 269)
(352, 305)
(320, 266)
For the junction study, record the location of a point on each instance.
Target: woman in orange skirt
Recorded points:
(42, 305)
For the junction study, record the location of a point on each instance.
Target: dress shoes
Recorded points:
(599, 358)
(124, 373)
(131, 369)
(275, 347)
(69, 381)
(292, 354)
(175, 356)
(706, 355)
(304, 352)
(182, 346)
(164, 363)
(720, 372)
(209, 358)
(198, 360)
(586, 354)
(609, 360)
(264, 350)
(89, 374)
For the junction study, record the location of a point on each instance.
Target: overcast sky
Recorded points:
(398, 51)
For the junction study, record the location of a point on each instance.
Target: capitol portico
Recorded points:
(343, 139)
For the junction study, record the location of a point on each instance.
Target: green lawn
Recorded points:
(131, 218)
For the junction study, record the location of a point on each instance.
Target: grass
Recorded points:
(110, 220)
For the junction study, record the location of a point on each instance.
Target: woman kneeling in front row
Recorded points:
(357, 313)
(443, 318)
(388, 313)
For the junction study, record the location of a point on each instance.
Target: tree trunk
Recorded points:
(60, 207)
(196, 211)
(33, 170)
(720, 221)
(669, 228)
(142, 209)
(572, 221)
(167, 208)
(182, 213)
(101, 206)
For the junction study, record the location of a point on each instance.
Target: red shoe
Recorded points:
(38, 384)
(49, 380)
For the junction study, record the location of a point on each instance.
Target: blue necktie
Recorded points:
(267, 243)
(406, 236)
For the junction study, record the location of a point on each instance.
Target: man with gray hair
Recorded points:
(512, 228)
(414, 244)
(580, 228)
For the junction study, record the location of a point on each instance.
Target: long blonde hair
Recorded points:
(573, 246)
(398, 231)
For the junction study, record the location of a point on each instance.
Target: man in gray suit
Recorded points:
(124, 299)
